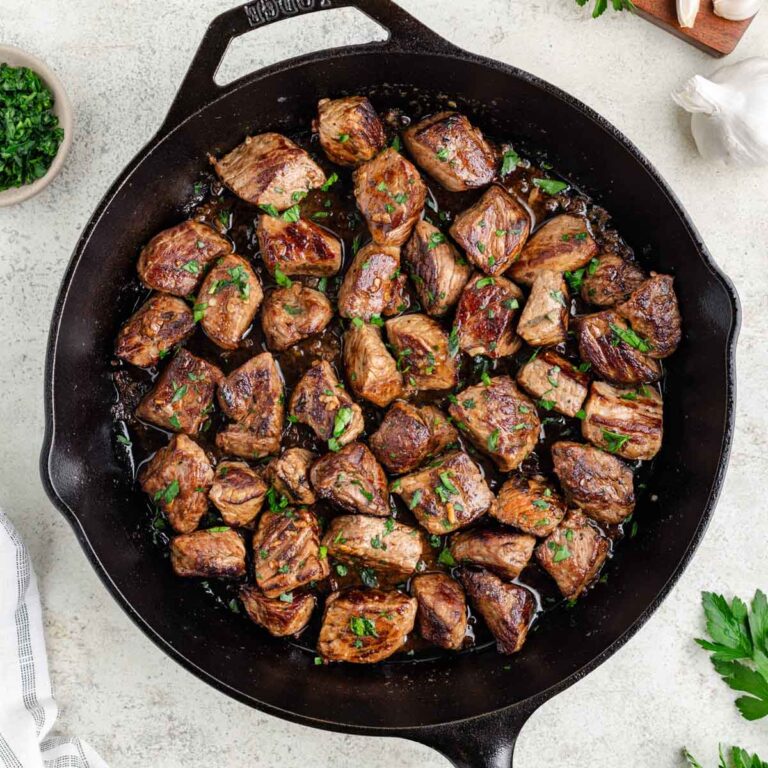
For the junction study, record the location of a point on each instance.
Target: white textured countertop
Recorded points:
(121, 63)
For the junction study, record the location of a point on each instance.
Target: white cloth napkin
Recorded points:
(27, 707)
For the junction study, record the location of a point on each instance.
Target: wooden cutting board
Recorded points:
(716, 36)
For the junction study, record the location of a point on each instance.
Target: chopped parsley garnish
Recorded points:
(614, 441)
(343, 138)
(362, 627)
(485, 378)
(483, 281)
(192, 267)
(510, 303)
(550, 186)
(415, 499)
(493, 440)
(628, 336)
(510, 161)
(199, 311)
(341, 570)
(268, 208)
(453, 342)
(291, 214)
(282, 279)
(446, 558)
(559, 551)
(558, 297)
(442, 154)
(330, 181)
(435, 239)
(169, 493)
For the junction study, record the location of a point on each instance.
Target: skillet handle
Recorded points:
(482, 742)
(199, 88)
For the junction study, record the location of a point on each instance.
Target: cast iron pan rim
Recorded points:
(532, 702)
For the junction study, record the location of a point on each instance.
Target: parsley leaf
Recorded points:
(550, 186)
(628, 336)
(510, 162)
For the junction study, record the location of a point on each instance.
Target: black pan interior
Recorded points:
(87, 476)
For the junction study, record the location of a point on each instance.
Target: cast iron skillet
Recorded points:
(470, 707)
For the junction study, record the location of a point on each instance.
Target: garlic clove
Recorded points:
(737, 10)
(687, 10)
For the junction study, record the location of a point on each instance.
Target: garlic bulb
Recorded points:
(737, 10)
(730, 112)
(687, 10)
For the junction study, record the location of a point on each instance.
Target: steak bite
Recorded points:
(320, 401)
(544, 319)
(493, 231)
(363, 626)
(530, 504)
(452, 151)
(615, 352)
(623, 421)
(279, 617)
(442, 614)
(390, 194)
(175, 260)
(371, 284)
(148, 335)
(252, 396)
(436, 269)
(182, 396)
(352, 480)
(508, 609)
(599, 483)
(449, 494)
(268, 169)
(561, 244)
(573, 554)
(350, 130)
(421, 349)
(388, 547)
(292, 314)
(238, 492)
(502, 552)
(555, 382)
(289, 475)
(485, 317)
(177, 479)
(499, 419)
(610, 279)
(286, 552)
(211, 553)
(229, 300)
(371, 371)
(653, 313)
(409, 435)
(297, 247)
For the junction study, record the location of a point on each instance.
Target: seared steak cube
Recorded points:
(363, 626)
(390, 194)
(610, 279)
(350, 130)
(452, 151)
(175, 260)
(182, 396)
(485, 317)
(573, 554)
(177, 478)
(499, 419)
(449, 494)
(599, 483)
(562, 244)
(442, 614)
(289, 475)
(409, 435)
(149, 334)
(615, 351)
(371, 286)
(297, 247)
(653, 313)
(388, 547)
(530, 504)
(544, 319)
(507, 609)
(252, 396)
(555, 382)
(229, 300)
(286, 552)
(502, 552)
(420, 346)
(352, 480)
(627, 422)
(238, 492)
(371, 371)
(281, 618)
(493, 231)
(437, 270)
(292, 314)
(320, 401)
(212, 553)
(268, 169)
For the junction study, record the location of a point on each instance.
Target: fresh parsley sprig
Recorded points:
(740, 758)
(601, 5)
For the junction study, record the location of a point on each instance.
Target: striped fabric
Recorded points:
(27, 707)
